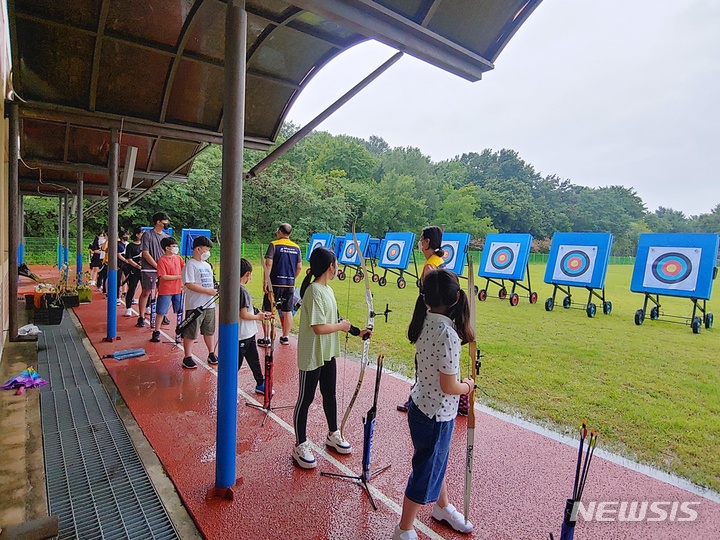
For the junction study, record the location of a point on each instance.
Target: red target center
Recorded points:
(671, 268)
(574, 264)
(502, 257)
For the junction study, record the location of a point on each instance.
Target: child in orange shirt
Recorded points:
(169, 271)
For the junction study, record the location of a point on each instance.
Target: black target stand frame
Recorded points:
(589, 307)
(700, 315)
(513, 297)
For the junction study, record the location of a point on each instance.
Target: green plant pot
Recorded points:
(84, 295)
(51, 315)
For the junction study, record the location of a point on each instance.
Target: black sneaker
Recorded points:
(263, 342)
(155, 336)
(189, 363)
(212, 359)
(165, 320)
(284, 340)
(141, 322)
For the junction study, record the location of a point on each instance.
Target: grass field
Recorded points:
(652, 390)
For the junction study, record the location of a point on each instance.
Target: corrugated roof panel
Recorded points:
(323, 25)
(144, 146)
(42, 140)
(206, 34)
(272, 8)
(264, 105)
(288, 54)
(158, 21)
(191, 80)
(170, 153)
(131, 80)
(54, 63)
(409, 8)
(83, 13)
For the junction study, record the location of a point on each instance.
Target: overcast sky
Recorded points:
(599, 92)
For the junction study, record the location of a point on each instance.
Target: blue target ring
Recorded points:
(671, 268)
(448, 253)
(575, 263)
(350, 251)
(393, 252)
(502, 257)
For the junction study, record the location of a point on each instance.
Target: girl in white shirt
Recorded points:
(438, 335)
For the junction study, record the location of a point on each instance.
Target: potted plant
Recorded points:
(84, 290)
(48, 304)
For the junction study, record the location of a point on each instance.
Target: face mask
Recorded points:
(125, 238)
(174, 250)
(205, 255)
(101, 238)
(420, 248)
(166, 226)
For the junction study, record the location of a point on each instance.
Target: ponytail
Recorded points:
(320, 260)
(442, 288)
(434, 236)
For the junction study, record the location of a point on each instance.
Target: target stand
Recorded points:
(455, 252)
(679, 265)
(505, 258)
(349, 258)
(579, 260)
(368, 434)
(395, 252)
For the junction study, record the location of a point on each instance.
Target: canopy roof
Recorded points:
(154, 70)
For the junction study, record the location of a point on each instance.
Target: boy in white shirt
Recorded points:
(197, 276)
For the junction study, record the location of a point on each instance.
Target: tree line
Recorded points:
(326, 182)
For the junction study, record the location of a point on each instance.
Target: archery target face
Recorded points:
(450, 253)
(672, 268)
(393, 252)
(503, 257)
(575, 263)
(316, 244)
(350, 251)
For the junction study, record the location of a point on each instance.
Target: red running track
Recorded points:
(520, 483)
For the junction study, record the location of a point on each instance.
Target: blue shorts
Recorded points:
(431, 441)
(164, 301)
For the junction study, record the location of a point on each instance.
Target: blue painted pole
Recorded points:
(112, 246)
(59, 244)
(231, 225)
(79, 227)
(21, 253)
(111, 304)
(66, 233)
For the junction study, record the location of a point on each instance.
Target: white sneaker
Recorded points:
(303, 456)
(399, 534)
(120, 302)
(452, 517)
(336, 441)
(147, 311)
(135, 301)
(128, 312)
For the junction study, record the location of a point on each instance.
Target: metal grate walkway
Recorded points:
(97, 485)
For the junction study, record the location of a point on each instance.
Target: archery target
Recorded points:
(450, 250)
(350, 251)
(575, 263)
(673, 268)
(318, 242)
(393, 252)
(503, 257)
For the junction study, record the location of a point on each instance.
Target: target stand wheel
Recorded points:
(533, 297)
(708, 320)
(696, 325)
(502, 293)
(514, 299)
(341, 275)
(375, 278)
(476, 289)
(382, 281)
(482, 295)
(567, 302)
(401, 283)
(357, 278)
(549, 304)
(607, 307)
(418, 283)
(654, 313)
(591, 309)
(639, 317)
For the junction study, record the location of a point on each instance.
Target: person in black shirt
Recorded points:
(133, 254)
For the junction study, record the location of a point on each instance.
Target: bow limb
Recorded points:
(369, 325)
(269, 352)
(472, 350)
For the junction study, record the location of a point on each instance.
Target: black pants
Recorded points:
(132, 283)
(248, 351)
(102, 277)
(326, 375)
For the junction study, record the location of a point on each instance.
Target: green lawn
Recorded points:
(652, 390)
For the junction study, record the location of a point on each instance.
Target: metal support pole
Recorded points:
(111, 279)
(302, 132)
(21, 228)
(60, 234)
(231, 228)
(79, 226)
(13, 217)
(66, 231)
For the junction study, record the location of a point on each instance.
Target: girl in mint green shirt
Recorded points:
(318, 346)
